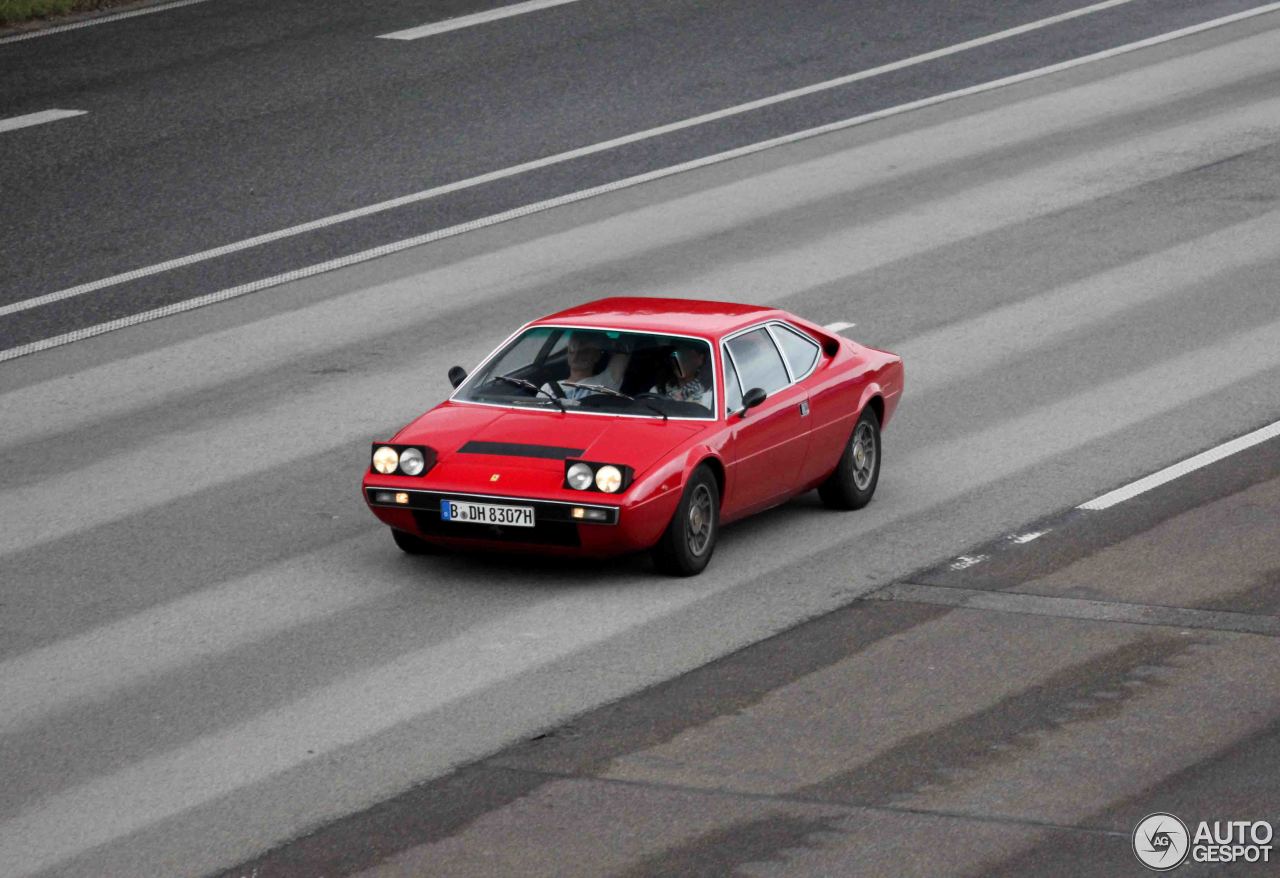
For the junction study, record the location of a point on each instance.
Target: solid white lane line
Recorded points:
(440, 27)
(1191, 464)
(104, 19)
(536, 207)
(15, 122)
(580, 152)
(839, 326)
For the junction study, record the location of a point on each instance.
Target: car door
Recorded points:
(828, 430)
(766, 443)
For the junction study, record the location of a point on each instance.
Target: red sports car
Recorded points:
(638, 424)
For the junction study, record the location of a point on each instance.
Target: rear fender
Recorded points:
(887, 385)
(870, 393)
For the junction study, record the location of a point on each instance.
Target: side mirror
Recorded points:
(457, 375)
(752, 398)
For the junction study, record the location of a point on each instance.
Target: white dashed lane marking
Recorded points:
(450, 24)
(40, 118)
(1191, 464)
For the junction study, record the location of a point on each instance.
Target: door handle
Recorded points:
(804, 409)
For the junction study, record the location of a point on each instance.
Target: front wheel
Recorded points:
(690, 538)
(856, 475)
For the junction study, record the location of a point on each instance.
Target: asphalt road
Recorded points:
(209, 647)
(215, 123)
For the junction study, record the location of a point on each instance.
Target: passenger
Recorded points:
(585, 349)
(685, 383)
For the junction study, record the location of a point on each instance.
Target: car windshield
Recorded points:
(632, 373)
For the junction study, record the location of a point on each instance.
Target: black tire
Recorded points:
(410, 544)
(690, 538)
(854, 481)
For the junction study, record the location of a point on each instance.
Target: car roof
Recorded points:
(692, 316)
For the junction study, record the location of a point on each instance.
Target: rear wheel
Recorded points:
(856, 475)
(690, 538)
(410, 544)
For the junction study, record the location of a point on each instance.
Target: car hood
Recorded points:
(542, 440)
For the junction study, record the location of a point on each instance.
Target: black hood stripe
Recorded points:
(518, 449)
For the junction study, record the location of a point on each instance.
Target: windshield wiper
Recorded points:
(600, 388)
(520, 382)
(596, 388)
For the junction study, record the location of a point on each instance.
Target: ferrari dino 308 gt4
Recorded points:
(633, 424)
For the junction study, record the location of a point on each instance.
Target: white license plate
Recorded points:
(486, 513)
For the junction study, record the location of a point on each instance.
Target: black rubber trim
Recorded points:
(519, 449)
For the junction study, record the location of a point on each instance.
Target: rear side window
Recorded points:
(800, 350)
(758, 361)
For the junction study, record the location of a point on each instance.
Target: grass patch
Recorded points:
(16, 11)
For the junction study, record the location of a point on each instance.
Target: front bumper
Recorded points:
(626, 528)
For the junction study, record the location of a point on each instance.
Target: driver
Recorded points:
(585, 348)
(684, 383)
